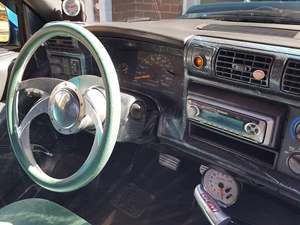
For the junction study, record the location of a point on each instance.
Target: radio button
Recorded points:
(193, 111)
(252, 129)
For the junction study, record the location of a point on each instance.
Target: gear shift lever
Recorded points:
(210, 207)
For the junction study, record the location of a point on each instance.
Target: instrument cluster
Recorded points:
(146, 66)
(153, 69)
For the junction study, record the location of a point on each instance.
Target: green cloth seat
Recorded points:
(38, 212)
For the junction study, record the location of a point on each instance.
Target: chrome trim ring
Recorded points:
(66, 108)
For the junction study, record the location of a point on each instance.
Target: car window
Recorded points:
(13, 22)
(280, 11)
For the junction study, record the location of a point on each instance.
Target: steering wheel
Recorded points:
(71, 105)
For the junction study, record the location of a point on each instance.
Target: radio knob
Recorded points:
(193, 111)
(294, 163)
(252, 129)
(297, 131)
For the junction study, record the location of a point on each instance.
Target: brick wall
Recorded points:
(154, 9)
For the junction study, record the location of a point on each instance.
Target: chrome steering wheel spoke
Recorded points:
(44, 85)
(92, 115)
(40, 107)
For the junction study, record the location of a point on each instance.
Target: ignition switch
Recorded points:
(137, 111)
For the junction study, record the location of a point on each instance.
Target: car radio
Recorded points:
(231, 114)
(233, 122)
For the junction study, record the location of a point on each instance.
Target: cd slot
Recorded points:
(222, 141)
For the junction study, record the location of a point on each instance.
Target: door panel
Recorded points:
(6, 58)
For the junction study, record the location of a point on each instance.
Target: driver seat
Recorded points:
(38, 212)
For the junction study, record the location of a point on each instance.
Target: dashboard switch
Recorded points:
(75, 66)
(294, 163)
(295, 129)
(199, 62)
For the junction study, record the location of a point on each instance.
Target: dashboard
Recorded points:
(229, 102)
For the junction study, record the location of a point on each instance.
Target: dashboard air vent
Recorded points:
(62, 44)
(239, 66)
(291, 77)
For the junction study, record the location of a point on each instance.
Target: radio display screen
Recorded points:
(223, 120)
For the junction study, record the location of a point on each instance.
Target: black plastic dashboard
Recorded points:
(165, 73)
(231, 152)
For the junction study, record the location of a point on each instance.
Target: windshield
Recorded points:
(253, 11)
(287, 12)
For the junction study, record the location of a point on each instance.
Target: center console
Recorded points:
(242, 98)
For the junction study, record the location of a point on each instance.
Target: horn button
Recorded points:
(66, 108)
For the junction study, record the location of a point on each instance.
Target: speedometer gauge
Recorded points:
(155, 69)
(71, 7)
(221, 186)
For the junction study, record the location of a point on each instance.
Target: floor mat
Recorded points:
(134, 189)
(132, 200)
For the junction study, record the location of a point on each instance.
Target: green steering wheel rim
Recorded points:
(93, 164)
